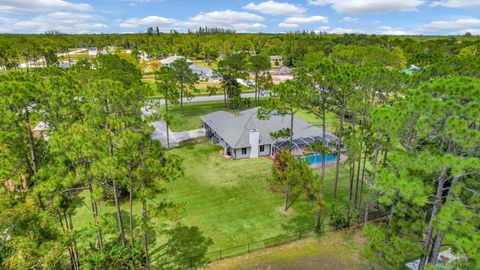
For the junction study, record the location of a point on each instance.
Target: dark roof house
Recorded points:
(203, 72)
(246, 136)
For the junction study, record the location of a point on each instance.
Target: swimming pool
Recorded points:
(316, 159)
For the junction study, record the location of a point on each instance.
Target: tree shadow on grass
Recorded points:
(185, 247)
(302, 218)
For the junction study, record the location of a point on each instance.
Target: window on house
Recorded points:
(262, 148)
(244, 151)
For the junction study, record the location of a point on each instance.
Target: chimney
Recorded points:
(254, 143)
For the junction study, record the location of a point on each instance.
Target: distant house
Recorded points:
(66, 64)
(110, 48)
(204, 73)
(93, 51)
(169, 60)
(444, 261)
(276, 60)
(39, 130)
(282, 71)
(143, 56)
(246, 136)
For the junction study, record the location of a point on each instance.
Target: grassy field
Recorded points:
(231, 201)
(193, 111)
(200, 86)
(334, 250)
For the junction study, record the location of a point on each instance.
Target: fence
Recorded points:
(193, 261)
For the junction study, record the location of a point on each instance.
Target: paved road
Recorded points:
(208, 98)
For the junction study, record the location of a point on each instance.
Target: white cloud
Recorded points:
(453, 27)
(305, 20)
(239, 21)
(41, 5)
(287, 25)
(322, 29)
(275, 8)
(369, 6)
(394, 31)
(219, 18)
(294, 22)
(457, 3)
(246, 27)
(65, 22)
(340, 30)
(349, 20)
(147, 21)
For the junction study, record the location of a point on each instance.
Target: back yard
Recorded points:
(229, 201)
(334, 250)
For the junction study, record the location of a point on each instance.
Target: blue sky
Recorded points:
(397, 17)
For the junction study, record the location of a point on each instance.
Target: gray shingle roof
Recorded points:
(235, 130)
(202, 70)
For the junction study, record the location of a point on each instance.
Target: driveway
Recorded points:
(175, 138)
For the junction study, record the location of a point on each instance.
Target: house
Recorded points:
(93, 51)
(39, 130)
(66, 64)
(246, 136)
(169, 60)
(444, 261)
(282, 71)
(276, 60)
(143, 56)
(204, 73)
(110, 48)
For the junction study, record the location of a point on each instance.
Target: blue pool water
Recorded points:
(317, 158)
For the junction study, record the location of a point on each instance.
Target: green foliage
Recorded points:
(434, 136)
(113, 257)
(231, 68)
(341, 218)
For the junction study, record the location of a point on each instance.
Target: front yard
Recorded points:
(194, 110)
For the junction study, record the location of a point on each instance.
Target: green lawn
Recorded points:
(200, 86)
(193, 111)
(231, 201)
(332, 120)
(334, 250)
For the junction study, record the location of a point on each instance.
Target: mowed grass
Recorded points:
(194, 110)
(331, 121)
(201, 87)
(190, 119)
(334, 250)
(230, 201)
